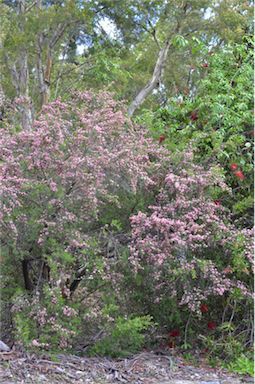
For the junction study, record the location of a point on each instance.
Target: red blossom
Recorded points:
(161, 138)
(217, 202)
(211, 325)
(174, 333)
(194, 116)
(204, 308)
(239, 175)
(171, 344)
(205, 65)
(233, 167)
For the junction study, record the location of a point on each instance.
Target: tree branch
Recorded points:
(154, 81)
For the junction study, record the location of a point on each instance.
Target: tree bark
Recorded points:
(43, 72)
(25, 270)
(20, 78)
(44, 69)
(153, 82)
(26, 105)
(78, 277)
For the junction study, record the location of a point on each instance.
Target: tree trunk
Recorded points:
(25, 270)
(2, 101)
(43, 72)
(47, 77)
(20, 78)
(153, 82)
(22, 85)
(78, 277)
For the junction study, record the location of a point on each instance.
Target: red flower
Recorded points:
(217, 202)
(233, 167)
(239, 174)
(171, 344)
(161, 138)
(211, 325)
(194, 116)
(205, 65)
(174, 333)
(204, 308)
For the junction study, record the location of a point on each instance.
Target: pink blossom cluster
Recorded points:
(48, 320)
(79, 156)
(55, 180)
(41, 316)
(22, 100)
(185, 234)
(69, 312)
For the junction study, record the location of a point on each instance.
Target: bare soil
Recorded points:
(144, 368)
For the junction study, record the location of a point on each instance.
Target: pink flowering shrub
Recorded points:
(68, 188)
(187, 242)
(56, 181)
(79, 157)
(46, 322)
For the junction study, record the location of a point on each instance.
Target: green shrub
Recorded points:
(126, 337)
(51, 323)
(242, 365)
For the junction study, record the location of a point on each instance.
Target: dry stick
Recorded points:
(233, 312)
(40, 277)
(252, 330)
(224, 313)
(57, 363)
(186, 330)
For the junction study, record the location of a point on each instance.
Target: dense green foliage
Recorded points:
(242, 365)
(217, 120)
(124, 338)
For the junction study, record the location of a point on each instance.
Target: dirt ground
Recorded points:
(144, 368)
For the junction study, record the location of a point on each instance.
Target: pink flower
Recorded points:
(53, 186)
(35, 343)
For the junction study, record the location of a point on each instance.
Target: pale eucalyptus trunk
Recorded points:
(43, 73)
(43, 70)
(20, 79)
(26, 107)
(153, 82)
